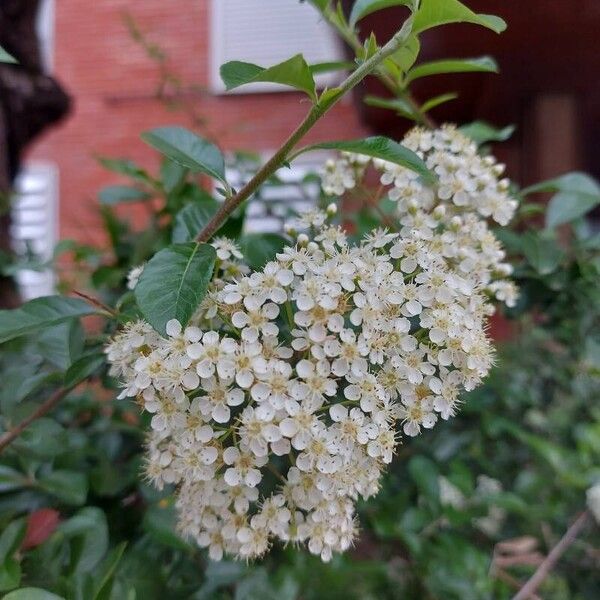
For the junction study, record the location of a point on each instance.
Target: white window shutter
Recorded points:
(34, 227)
(267, 32)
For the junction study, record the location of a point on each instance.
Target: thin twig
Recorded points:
(95, 302)
(43, 409)
(318, 110)
(554, 555)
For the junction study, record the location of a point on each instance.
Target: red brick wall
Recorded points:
(113, 83)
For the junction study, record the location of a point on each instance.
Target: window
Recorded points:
(293, 190)
(34, 228)
(266, 32)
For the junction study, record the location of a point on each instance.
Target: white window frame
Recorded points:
(45, 30)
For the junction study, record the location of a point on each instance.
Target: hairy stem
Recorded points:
(316, 112)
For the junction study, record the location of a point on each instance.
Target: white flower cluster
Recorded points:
(280, 403)
(468, 193)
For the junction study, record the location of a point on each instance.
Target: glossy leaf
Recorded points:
(379, 147)
(362, 8)
(174, 282)
(116, 194)
(432, 13)
(293, 72)
(399, 105)
(62, 344)
(542, 252)
(328, 67)
(260, 248)
(124, 166)
(68, 486)
(192, 218)
(39, 314)
(481, 132)
(485, 64)
(188, 149)
(83, 368)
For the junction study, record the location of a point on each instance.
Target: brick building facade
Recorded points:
(114, 82)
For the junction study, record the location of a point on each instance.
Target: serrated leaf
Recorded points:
(259, 248)
(432, 13)
(188, 149)
(115, 194)
(192, 218)
(83, 368)
(39, 314)
(174, 282)
(68, 486)
(294, 72)
(484, 64)
(481, 132)
(379, 147)
(5, 57)
(362, 8)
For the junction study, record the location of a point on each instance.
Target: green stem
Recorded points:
(352, 39)
(325, 103)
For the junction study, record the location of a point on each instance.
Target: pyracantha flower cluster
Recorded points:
(283, 399)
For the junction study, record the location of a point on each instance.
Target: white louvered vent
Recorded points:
(275, 203)
(35, 225)
(266, 32)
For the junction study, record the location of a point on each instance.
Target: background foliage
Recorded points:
(466, 511)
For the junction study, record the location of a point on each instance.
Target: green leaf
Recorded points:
(425, 474)
(192, 218)
(39, 314)
(259, 248)
(10, 575)
(399, 105)
(437, 101)
(432, 13)
(542, 252)
(70, 487)
(174, 282)
(188, 149)
(294, 72)
(481, 132)
(565, 207)
(62, 344)
(107, 569)
(5, 57)
(484, 64)
(88, 533)
(83, 368)
(160, 521)
(115, 194)
(11, 538)
(362, 8)
(328, 67)
(577, 195)
(31, 593)
(406, 56)
(124, 166)
(379, 147)
(10, 479)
